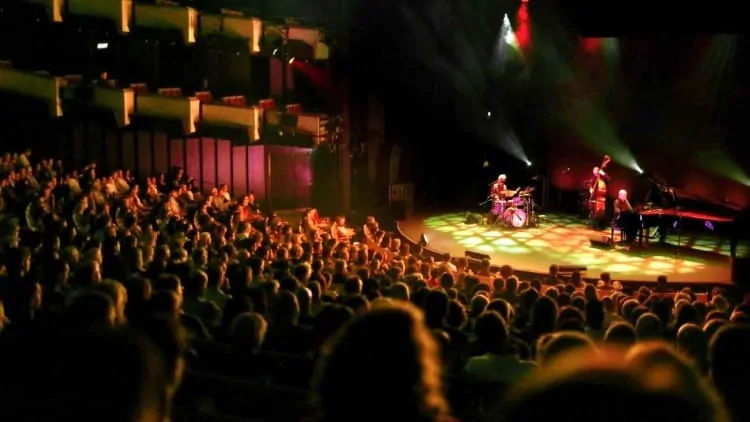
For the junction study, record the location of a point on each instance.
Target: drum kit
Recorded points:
(516, 212)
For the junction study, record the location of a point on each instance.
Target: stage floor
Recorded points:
(565, 240)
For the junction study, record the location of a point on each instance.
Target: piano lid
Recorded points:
(663, 195)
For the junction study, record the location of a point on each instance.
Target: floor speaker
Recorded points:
(601, 241)
(741, 273)
(473, 218)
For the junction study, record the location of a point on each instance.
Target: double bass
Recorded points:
(598, 192)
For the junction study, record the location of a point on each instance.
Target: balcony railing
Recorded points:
(247, 117)
(119, 11)
(54, 8)
(314, 125)
(120, 101)
(185, 109)
(306, 42)
(184, 19)
(34, 85)
(247, 28)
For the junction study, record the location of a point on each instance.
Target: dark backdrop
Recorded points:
(671, 105)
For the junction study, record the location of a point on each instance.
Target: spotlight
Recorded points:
(489, 114)
(291, 60)
(529, 164)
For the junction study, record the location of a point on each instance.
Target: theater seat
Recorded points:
(240, 398)
(204, 96)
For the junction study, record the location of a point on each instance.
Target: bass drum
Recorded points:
(514, 217)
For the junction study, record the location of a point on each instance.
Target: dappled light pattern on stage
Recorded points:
(565, 240)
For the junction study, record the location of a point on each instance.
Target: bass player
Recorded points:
(598, 187)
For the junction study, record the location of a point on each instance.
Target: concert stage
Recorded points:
(565, 240)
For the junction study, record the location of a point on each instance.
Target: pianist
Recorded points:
(625, 217)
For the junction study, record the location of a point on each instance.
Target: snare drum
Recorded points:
(514, 217)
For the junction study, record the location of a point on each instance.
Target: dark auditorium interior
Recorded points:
(327, 174)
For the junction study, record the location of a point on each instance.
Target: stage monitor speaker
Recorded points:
(570, 269)
(473, 218)
(601, 241)
(741, 273)
(476, 255)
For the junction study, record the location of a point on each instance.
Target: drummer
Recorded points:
(498, 193)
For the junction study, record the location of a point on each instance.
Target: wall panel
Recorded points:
(161, 152)
(256, 160)
(128, 152)
(193, 157)
(207, 176)
(239, 170)
(76, 157)
(95, 148)
(177, 153)
(225, 163)
(112, 150)
(144, 151)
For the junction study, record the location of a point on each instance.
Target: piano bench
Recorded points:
(613, 227)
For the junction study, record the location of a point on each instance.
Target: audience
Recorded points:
(123, 301)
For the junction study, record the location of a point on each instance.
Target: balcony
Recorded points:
(302, 42)
(118, 11)
(35, 85)
(234, 26)
(240, 123)
(54, 8)
(104, 99)
(310, 126)
(167, 17)
(186, 110)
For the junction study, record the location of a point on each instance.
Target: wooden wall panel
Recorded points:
(161, 153)
(112, 151)
(239, 171)
(77, 154)
(256, 168)
(225, 162)
(207, 176)
(128, 152)
(95, 148)
(176, 153)
(193, 157)
(144, 151)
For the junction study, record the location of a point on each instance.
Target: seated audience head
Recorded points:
(649, 327)
(730, 367)
(247, 332)
(620, 334)
(383, 365)
(615, 385)
(492, 333)
(92, 310)
(555, 345)
(693, 343)
(285, 308)
(114, 375)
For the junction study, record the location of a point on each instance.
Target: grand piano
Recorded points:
(669, 210)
